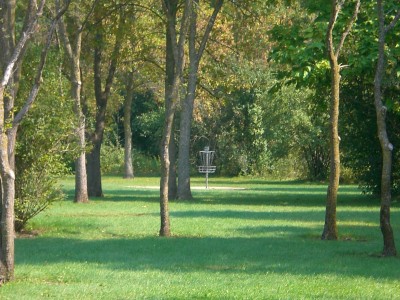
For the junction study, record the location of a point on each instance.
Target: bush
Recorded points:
(35, 191)
(44, 142)
(112, 162)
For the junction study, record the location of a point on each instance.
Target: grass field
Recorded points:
(261, 241)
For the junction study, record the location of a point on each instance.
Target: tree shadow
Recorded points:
(213, 254)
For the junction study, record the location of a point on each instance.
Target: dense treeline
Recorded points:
(252, 79)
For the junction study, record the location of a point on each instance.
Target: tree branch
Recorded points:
(348, 28)
(25, 36)
(393, 23)
(209, 27)
(38, 79)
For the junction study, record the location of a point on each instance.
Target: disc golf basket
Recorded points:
(206, 159)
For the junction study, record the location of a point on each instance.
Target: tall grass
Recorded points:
(259, 242)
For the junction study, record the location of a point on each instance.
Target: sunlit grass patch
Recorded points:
(260, 242)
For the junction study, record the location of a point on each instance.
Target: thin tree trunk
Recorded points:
(169, 96)
(81, 191)
(389, 248)
(172, 181)
(330, 231)
(330, 228)
(184, 191)
(128, 164)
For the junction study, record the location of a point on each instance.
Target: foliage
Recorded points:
(265, 126)
(44, 144)
(241, 141)
(112, 159)
(146, 123)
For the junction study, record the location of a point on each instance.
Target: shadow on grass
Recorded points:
(307, 257)
(287, 216)
(257, 192)
(243, 197)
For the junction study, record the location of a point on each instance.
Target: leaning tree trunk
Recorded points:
(7, 178)
(389, 248)
(10, 120)
(170, 96)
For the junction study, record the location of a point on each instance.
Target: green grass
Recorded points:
(261, 242)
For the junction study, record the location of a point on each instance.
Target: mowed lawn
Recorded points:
(260, 240)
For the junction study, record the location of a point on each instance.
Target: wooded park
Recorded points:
(114, 113)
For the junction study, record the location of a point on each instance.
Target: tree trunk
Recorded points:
(330, 228)
(102, 96)
(128, 164)
(172, 181)
(165, 229)
(184, 191)
(9, 65)
(94, 170)
(389, 248)
(169, 96)
(7, 155)
(330, 231)
(174, 49)
(73, 54)
(81, 192)
(7, 216)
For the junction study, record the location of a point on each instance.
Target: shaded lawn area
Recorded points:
(260, 242)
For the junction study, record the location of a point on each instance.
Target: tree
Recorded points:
(102, 95)
(128, 165)
(73, 54)
(195, 56)
(330, 227)
(389, 248)
(9, 119)
(176, 51)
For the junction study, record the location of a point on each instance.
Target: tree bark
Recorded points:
(176, 50)
(389, 248)
(169, 82)
(128, 164)
(184, 191)
(9, 122)
(102, 96)
(73, 54)
(330, 231)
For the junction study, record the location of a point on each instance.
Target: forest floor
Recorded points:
(254, 239)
